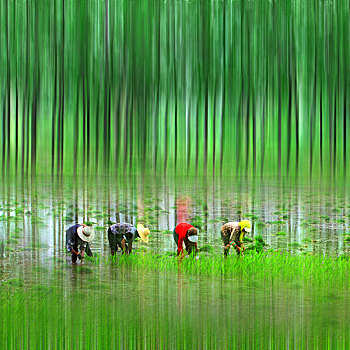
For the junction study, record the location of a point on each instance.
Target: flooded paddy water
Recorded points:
(150, 299)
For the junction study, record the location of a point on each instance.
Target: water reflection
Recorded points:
(305, 218)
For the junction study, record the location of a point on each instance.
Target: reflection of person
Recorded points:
(232, 233)
(182, 204)
(78, 238)
(123, 234)
(188, 234)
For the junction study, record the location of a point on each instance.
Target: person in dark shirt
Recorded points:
(123, 234)
(78, 238)
(188, 234)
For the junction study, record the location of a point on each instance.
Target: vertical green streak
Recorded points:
(246, 88)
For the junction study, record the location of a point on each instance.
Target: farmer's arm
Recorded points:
(123, 244)
(129, 247)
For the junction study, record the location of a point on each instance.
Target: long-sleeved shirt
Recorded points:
(125, 230)
(181, 230)
(73, 240)
(231, 232)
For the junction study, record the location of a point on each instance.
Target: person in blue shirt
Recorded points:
(78, 238)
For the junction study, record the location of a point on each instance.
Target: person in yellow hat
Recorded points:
(123, 234)
(232, 234)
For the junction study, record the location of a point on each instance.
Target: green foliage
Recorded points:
(96, 87)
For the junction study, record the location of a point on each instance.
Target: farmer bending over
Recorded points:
(188, 234)
(232, 233)
(123, 234)
(78, 238)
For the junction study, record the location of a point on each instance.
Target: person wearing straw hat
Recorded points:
(123, 234)
(78, 238)
(188, 234)
(232, 234)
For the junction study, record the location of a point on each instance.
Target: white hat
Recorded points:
(86, 233)
(193, 238)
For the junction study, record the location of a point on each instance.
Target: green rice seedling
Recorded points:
(198, 224)
(90, 223)
(277, 222)
(206, 248)
(109, 222)
(281, 233)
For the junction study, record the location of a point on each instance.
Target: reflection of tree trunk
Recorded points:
(17, 117)
(197, 130)
(60, 135)
(107, 116)
(175, 86)
(279, 128)
(97, 126)
(54, 95)
(344, 126)
(166, 135)
(76, 132)
(206, 107)
(157, 108)
(335, 133)
(289, 130)
(3, 138)
(214, 128)
(88, 127)
(296, 125)
(223, 88)
(321, 132)
(85, 140)
(35, 97)
(8, 91)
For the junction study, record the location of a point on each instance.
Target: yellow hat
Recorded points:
(246, 225)
(143, 232)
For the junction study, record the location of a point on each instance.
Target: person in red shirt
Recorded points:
(188, 234)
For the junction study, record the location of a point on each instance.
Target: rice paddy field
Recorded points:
(160, 112)
(294, 292)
